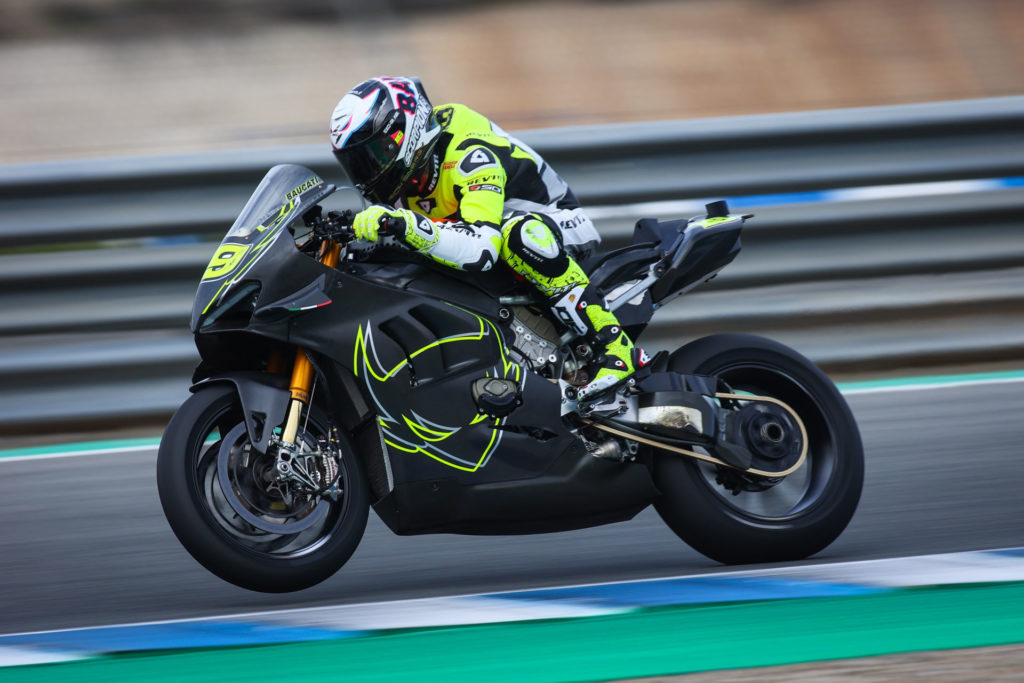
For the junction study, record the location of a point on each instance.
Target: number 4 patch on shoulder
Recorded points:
(476, 159)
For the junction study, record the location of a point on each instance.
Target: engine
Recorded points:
(536, 342)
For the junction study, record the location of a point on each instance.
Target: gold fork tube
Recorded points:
(302, 372)
(302, 381)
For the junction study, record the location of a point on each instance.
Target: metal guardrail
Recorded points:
(98, 336)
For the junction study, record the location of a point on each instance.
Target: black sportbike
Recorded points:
(447, 402)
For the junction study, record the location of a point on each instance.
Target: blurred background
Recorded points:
(87, 78)
(886, 244)
(134, 130)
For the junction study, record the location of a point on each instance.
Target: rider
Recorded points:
(465, 194)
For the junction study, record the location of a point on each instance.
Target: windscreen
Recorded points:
(286, 190)
(284, 194)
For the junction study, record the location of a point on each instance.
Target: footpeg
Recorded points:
(607, 450)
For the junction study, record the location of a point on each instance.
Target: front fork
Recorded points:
(302, 372)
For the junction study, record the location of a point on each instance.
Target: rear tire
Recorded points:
(800, 515)
(222, 541)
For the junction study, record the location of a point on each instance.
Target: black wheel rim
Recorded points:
(293, 542)
(795, 495)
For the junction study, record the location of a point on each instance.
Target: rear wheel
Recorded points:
(236, 518)
(738, 519)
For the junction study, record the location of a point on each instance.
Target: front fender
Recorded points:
(264, 401)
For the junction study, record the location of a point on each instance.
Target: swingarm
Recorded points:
(758, 436)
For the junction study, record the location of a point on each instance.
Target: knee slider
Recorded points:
(535, 240)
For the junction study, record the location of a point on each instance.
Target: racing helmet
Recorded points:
(383, 130)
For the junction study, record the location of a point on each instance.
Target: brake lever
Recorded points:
(338, 226)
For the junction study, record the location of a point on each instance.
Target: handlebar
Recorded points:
(389, 225)
(338, 225)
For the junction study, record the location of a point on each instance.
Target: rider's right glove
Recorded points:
(414, 231)
(366, 224)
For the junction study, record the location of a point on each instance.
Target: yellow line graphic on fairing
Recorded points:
(218, 267)
(426, 433)
(431, 434)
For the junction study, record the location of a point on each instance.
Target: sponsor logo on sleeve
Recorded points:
(487, 179)
(573, 221)
(476, 159)
(485, 186)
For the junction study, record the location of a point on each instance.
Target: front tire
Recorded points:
(797, 516)
(226, 543)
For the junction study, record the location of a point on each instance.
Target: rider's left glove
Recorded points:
(367, 223)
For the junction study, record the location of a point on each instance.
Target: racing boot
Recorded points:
(615, 358)
(532, 248)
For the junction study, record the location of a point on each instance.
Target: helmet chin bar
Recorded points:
(386, 187)
(423, 178)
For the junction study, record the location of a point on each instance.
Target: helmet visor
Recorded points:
(366, 162)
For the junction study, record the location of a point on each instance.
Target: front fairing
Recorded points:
(234, 274)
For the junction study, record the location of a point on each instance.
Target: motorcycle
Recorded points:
(330, 383)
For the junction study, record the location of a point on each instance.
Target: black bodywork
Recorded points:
(397, 344)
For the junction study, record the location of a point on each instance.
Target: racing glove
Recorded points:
(464, 246)
(366, 224)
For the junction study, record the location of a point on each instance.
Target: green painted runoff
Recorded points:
(644, 643)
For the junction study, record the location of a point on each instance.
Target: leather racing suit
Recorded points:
(490, 197)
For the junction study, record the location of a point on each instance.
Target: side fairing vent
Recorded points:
(456, 325)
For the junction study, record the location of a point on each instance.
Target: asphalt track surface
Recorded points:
(83, 540)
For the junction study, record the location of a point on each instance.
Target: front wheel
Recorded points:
(239, 521)
(741, 519)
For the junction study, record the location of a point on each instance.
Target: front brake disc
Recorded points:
(247, 512)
